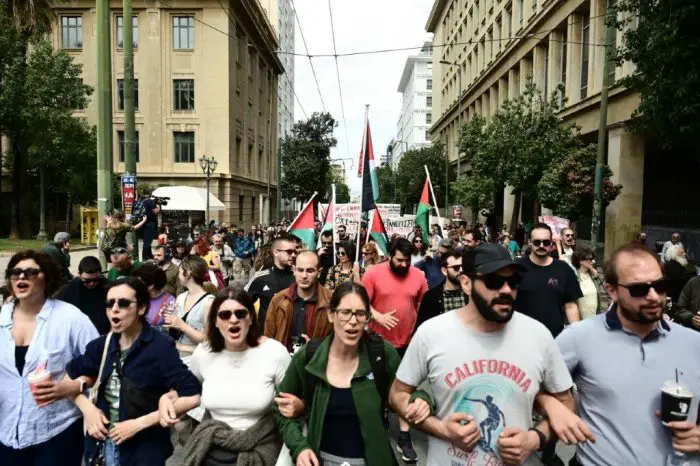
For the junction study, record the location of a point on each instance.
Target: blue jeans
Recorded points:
(111, 453)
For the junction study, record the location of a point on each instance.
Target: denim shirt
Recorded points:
(152, 363)
(62, 333)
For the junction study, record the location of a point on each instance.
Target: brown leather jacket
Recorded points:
(279, 321)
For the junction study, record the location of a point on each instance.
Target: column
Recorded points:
(525, 73)
(623, 217)
(508, 206)
(597, 54)
(555, 55)
(493, 99)
(538, 67)
(513, 83)
(502, 90)
(573, 59)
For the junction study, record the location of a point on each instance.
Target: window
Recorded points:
(429, 101)
(120, 94)
(183, 32)
(427, 135)
(428, 118)
(429, 84)
(509, 21)
(241, 200)
(184, 146)
(260, 162)
(122, 146)
(120, 31)
(183, 98)
(72, 32)
(534, 6)
(585, 35)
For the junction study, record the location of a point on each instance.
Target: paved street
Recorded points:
(75, 258)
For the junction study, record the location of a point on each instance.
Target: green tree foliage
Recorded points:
(410, 175)
(662, 39)
(567, 186)
(386, 184)
(474, 191)
(306, 156)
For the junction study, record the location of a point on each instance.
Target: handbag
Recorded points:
(137, 401)
(98, 458)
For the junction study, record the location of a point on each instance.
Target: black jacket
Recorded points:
(265, 284)
(90, 301)
(431, 306)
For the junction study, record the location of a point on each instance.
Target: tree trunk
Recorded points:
(17, 181)
(42, 204)
(515, 217)
(69, 207)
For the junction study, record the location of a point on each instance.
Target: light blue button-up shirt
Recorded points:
(61, 334)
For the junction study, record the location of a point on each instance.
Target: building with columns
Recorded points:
(497, 45)
(206, 77)
(416, 88)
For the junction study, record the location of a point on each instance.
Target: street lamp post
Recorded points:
(459, 125)
(208, 165)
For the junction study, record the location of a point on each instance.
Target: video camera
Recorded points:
(161, 201)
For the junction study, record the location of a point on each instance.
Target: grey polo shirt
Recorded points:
(619, 378)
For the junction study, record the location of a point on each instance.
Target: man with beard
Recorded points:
(171, 271)
(485, 365)
(549, 289)
(266, 283)
(447, 296)
(342, 234)
(621, 359)
(395, 291)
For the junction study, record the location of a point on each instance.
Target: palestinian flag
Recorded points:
(328, 219)
(370, 180)
(377, 232)
(423, 213)
(303, 226)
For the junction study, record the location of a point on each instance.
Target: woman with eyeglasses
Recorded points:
(345, 407)
(38, 337)
(141, 364)
(346, 269)
(595, 299)
(240, 371)
(419, 250)
(370, 255)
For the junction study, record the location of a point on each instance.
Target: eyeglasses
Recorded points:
(122, 303)
(344, 315)
(226, 314)
(118, 251)
(288, 251)
(569, 235)
(494, 281)
(542, 242)
(640, 290)
(417, 240)
(30, 273)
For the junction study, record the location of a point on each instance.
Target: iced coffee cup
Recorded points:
(675, 402)
(36, 378)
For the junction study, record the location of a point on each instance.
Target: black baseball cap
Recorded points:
(488, 258)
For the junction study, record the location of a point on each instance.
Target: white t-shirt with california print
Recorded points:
(492, 376)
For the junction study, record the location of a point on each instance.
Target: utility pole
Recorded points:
(104, 112)
(129, 103)
(602, 128)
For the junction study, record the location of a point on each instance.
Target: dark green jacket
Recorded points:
(62, 260)
(378, 450)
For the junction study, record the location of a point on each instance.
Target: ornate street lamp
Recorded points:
(208, 165)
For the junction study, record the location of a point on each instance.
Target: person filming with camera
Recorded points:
(151, 207)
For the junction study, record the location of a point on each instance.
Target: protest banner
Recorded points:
(557, 224)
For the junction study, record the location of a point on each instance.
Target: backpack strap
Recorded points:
(309, 351)
(377, 360)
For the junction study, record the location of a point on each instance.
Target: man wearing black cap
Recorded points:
(485, 365)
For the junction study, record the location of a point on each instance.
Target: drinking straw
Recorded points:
(678, 387)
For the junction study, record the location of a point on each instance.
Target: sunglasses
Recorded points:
(90, 281)
(327, 243)
(288, 251)
(455, 268)
(495, 282)
(29, 273)
(542, 242)
(569, 235)
(118, 251)
(344, 315)
(367, 253)
(122, 303)
(342, 253)
(640, 290)
(226, 314)
(418, 241)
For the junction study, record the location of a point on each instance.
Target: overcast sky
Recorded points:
(360, 25)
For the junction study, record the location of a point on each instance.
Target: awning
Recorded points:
(188, 198)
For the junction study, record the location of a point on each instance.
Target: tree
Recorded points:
(662, 39)
(386, 184)
(305, 156)
(567, 186)
(474, 191)
(410, 175)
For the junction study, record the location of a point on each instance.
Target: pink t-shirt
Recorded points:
(388, 291)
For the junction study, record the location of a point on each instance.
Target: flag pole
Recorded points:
(432, 193)
(364, 155)
(302, 210)
(333, 221)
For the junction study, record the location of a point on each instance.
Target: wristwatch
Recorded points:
(83, 385)
(543, 438)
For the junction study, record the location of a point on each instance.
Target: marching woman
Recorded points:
(39, 425)
(133, 365)
(240, 371)
(346, 408)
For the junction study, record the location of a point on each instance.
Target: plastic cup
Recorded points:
(36, 378)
